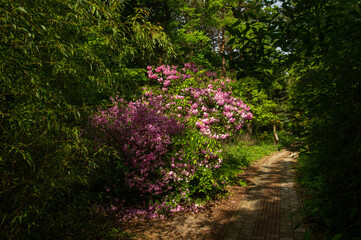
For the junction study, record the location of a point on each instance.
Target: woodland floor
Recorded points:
(264, 209)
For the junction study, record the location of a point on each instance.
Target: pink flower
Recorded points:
(199, 124)
(220, 102)
(194, 106)
(205, 121)
(166, 83)
(249, 116)
(227, 108)
(194, 112)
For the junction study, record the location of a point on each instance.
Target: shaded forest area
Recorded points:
(295, 64)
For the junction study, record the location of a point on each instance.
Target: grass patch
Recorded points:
(239, 155)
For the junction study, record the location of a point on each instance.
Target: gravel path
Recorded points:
(269, 210)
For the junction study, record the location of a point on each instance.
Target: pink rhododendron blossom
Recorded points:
(166, 83)
(194, 112)
(194, 106)
(196, 95)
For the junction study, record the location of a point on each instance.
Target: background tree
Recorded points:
(261, 68)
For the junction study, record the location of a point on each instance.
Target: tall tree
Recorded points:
(261, 68)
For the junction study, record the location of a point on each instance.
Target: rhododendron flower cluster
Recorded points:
(142, 133)
(218, 113)
(169, 138)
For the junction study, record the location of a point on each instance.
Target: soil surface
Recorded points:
(210, 224)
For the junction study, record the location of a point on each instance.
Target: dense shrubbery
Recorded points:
(169, 141)
(59, 60)
(326, 105)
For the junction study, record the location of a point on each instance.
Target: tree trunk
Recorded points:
(249, 128)
(275, 136)
(223, 70)
(223, 46)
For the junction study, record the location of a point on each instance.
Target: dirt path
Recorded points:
(265, 209)
(269, 211)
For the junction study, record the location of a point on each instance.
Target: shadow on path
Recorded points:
(270, 208)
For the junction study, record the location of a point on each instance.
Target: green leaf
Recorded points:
(235, 24)
(337, 237)
(21, 9)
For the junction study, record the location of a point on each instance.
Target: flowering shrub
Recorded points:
(170, 138)
(218, 115)
(142, 134)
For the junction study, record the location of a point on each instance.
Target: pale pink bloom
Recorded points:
(238, 127)
(249, 116)
(166, 83)
(205, 121)
(228, 114)
(195, 111)
(199, 124)
(194, 106)
(207, 132)
(220, 102)
(227, 108)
